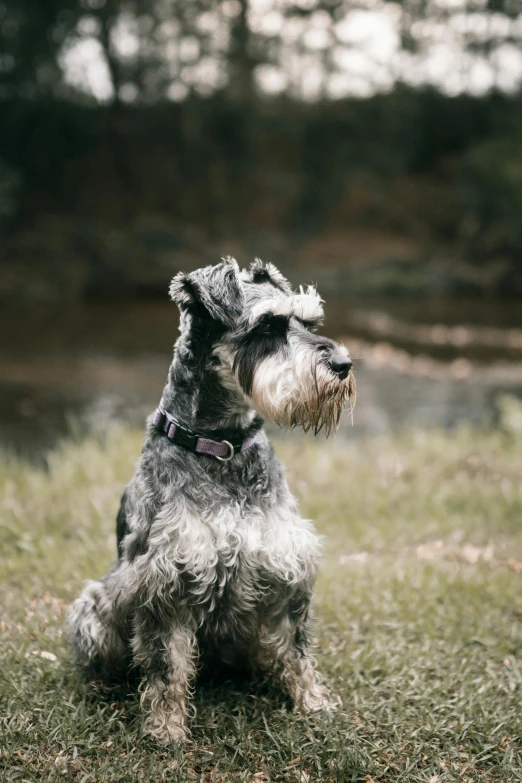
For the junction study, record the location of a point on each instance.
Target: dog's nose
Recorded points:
(341, 365)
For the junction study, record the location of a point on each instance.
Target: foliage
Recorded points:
(309, 160)
(419, 621)
(9, 187)
(180, 123)
(150, 50)
(492, 180)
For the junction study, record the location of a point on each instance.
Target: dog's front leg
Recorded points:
(282, 653)
(167, 660)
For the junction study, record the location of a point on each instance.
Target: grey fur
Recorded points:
(214, 561)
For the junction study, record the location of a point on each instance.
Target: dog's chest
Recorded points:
(226, 550)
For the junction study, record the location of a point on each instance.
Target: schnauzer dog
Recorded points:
(214, 561)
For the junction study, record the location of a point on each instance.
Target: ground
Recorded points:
(419, 621)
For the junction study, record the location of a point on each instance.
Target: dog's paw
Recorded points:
(166, 732)
(319, 699)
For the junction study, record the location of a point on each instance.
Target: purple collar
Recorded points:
(222, 450)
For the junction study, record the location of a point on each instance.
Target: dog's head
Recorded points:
(265, 342)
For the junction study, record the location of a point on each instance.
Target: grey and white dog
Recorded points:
(214, 561)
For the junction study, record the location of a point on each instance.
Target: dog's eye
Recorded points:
(274, 325)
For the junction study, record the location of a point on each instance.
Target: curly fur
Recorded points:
(215, 562)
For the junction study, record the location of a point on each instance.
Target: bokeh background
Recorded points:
(371, 147)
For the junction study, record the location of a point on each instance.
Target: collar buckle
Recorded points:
(185, 438)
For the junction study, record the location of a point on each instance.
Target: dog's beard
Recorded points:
(302, 392)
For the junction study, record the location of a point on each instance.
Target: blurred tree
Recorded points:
(31, 34)
(133, 97)
(151, 50)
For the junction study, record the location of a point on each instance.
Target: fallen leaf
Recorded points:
(430, 550)
(471, 553)
(356, 557)
(49, 656)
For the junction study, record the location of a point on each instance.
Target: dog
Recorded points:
(215, 564)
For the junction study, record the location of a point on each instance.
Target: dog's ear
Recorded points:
(217, 289)
(262, 272)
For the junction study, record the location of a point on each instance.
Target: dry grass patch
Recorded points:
(419, 606)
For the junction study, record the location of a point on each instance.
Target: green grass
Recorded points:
(419, 622)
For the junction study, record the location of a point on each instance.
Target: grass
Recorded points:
(419, 630)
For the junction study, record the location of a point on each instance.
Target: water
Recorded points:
(421, 363)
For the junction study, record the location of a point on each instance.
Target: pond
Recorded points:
(417, 363)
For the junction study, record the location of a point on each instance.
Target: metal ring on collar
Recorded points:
(229, 456)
